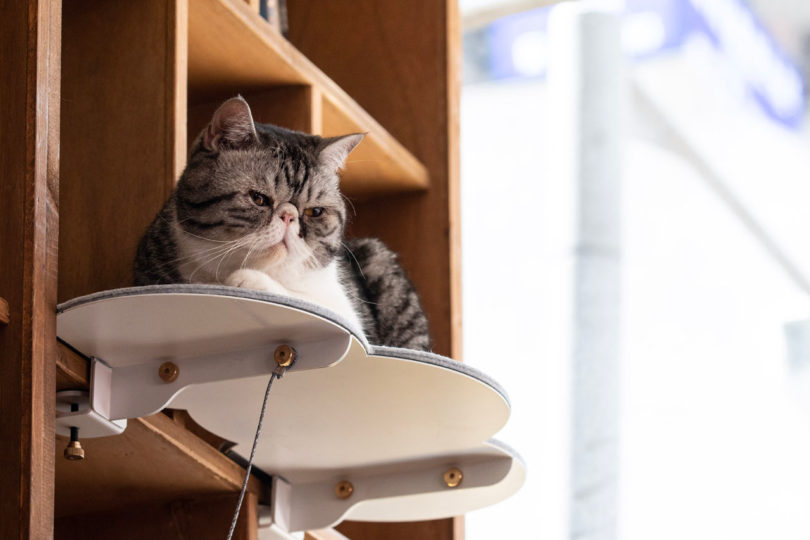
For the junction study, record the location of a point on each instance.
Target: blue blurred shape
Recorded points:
(518, 46)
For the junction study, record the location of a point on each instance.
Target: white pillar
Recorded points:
(585, 78)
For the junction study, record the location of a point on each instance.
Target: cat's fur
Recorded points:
(259, 206)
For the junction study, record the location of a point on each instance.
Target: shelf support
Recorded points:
(137, 390)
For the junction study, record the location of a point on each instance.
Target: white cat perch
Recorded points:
(352, 431)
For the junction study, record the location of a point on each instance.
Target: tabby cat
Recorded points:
(259, 206)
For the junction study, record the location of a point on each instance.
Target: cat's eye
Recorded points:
(315, 211)
(259, 199)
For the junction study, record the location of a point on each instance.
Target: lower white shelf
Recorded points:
(391, 422)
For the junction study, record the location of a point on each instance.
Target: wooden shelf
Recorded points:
(4, 311)
(233, 50)
(131, 83)
(157, 459)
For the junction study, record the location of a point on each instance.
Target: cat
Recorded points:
(259, 206)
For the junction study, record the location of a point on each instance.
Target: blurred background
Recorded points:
(637, 264)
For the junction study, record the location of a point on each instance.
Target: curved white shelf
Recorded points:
(391, 421)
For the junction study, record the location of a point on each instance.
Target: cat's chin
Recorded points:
(270, 257)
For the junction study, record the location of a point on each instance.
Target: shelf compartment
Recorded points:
(157, 459)
(233, 50)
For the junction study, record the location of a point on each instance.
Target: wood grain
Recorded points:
(407, 80)
(399, 61)
(29, 160)
(72, 369)
(183, 519)
(234, 51)
(293, 107)
(4, 312)
(154, 460)
(159, 458)
(123, 77)
(423, 530)
(324, 534)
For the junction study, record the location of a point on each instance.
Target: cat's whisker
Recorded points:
(206, 238)
(216, 250)
(359, 266)
(249, 252)
(179, 221)
(222, 254)
(249, 241)
(348, 200)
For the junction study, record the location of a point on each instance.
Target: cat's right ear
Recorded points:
(231, 127)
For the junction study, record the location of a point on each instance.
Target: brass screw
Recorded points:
(284, 355)
(168, 372)
(74, 451)
(344, 489)
(453, 477)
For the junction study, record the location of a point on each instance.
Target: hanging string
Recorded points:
(276, 374)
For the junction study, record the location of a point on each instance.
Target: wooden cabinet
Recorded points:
(101, 99)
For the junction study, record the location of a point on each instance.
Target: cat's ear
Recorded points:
(334, 150)
(231, 127)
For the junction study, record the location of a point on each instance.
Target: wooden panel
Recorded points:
(398, 60)
(292, 107)
(324, 534)
(374, 159)
(228, 44)
(29, 161)
(72, 369)
(408, 81)
(154, 460)
(123, 82)
(4, 313)
(198, 519)
(232, 50)
(423, 530)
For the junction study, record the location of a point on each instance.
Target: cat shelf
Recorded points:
(399, 427)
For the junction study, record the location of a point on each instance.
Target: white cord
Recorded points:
(275, 374)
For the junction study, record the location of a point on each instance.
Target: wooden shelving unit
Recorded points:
(100, 109)
(231, 50)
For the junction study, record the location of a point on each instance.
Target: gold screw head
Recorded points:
(284, 355)
(453, 477)
(74, 451)
(168, 372)
(344, 489)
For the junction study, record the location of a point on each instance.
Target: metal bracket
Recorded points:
(89, 411)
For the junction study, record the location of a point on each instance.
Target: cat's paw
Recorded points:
(248, 278)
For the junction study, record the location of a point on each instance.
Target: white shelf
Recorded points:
(391, 421)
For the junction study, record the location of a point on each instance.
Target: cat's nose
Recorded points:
(287, 217)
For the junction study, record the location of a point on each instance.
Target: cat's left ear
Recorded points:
(231, 127)
(335, 150)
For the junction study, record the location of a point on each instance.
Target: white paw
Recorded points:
(248, 278)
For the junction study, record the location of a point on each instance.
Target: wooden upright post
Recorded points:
(29, 192)
(415, 96)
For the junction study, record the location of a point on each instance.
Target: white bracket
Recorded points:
(89, 411)
(269, 530)
(316, 505)
(136, 390)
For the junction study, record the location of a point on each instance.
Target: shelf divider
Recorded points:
(233, 50)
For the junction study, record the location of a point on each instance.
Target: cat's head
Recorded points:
(268, 194)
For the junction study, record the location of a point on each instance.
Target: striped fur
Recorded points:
(259, 206)
(384, 295)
